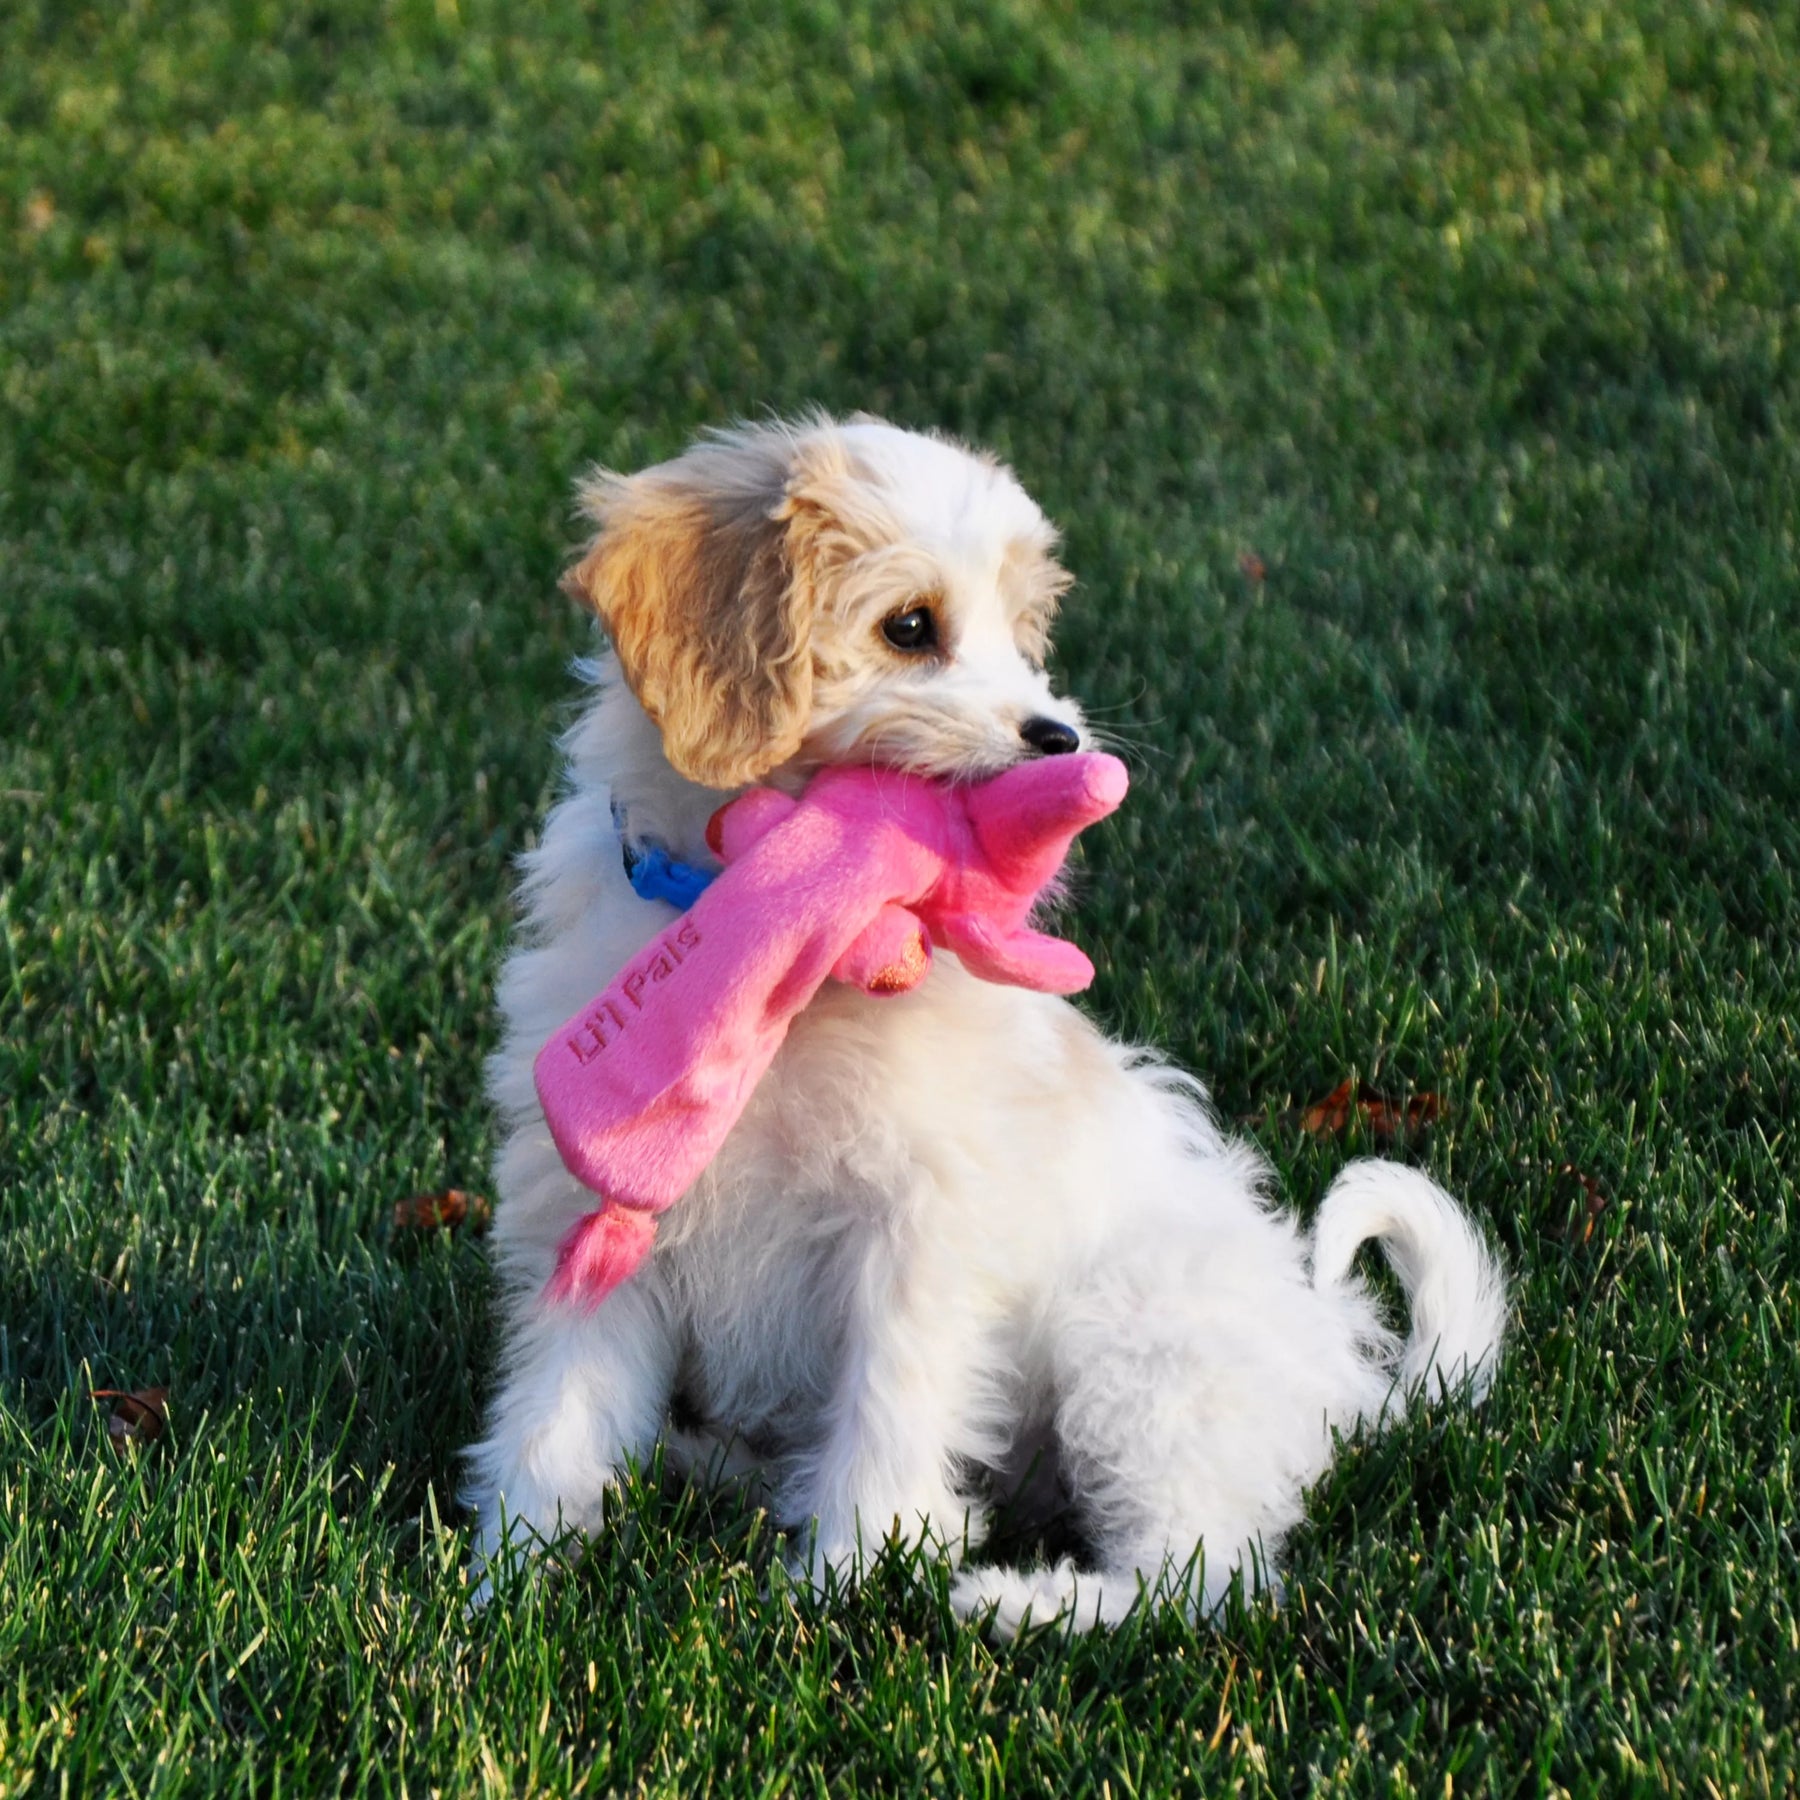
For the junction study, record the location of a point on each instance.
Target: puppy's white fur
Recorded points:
(954, 1226)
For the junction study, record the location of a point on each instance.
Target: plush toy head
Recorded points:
(966, 864)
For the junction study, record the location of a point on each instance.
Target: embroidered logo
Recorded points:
(608, 1018)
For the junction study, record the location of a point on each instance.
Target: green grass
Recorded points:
(1476, 325)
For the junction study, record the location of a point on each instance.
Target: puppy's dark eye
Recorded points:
(914, 629)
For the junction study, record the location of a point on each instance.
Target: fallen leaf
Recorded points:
(1252, 567)
(451, 1209)
(137, 1417)
(1381, 1117)
(1386, 1119)
(1330, 1117)
(1578, 1226)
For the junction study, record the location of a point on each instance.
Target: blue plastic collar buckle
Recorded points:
(656, 875)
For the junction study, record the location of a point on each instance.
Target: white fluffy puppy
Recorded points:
(956, 1225)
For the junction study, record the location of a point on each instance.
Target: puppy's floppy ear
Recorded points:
(702, 575)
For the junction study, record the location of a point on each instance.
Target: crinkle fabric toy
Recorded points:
(858, 879)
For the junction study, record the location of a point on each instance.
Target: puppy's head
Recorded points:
(829, 593)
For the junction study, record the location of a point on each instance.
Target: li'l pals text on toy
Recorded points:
(606, 1021)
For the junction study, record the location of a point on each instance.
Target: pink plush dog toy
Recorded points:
(857, 878)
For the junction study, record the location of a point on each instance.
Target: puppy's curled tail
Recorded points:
(1455, 1284)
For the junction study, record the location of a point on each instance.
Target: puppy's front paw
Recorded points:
(1014, 1601)
(508, 1544)
(495, 1549)
(838, 1557)
(1010, 1601)
(826, 1562)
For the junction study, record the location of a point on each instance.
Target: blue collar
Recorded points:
(656, 875)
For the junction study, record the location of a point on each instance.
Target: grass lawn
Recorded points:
(1419, 387)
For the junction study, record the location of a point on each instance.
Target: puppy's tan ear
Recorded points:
(701, 577)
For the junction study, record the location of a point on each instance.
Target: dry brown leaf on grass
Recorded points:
(137, 1417)
(1380, 1116)
(1583, 1217)
(450, 1209)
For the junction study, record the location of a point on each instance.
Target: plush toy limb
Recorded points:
(1022, 958)
(891, 956)
(745, 821)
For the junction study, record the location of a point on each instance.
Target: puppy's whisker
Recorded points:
(1120, 706)
(1126, 749)
(1119, 733)
(1126, 705)
(1133, 726)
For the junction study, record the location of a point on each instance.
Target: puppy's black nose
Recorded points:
(1050, 737)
